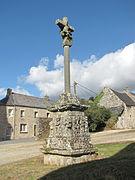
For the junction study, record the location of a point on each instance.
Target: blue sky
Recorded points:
(28, 34)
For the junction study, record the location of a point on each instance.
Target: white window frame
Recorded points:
(35, 114)
(23, 128)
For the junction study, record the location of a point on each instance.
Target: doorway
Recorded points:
(35, 130)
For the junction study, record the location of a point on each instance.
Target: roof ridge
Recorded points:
(27, 95)
(125, 98)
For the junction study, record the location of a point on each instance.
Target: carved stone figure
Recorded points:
(65, 31)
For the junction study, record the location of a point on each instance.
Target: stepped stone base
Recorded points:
(59, 160)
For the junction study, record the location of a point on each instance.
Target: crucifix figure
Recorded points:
(66, 33)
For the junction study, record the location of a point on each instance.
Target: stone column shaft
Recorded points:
(67, 69)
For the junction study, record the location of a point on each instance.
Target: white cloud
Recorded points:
(2, 92)
(17, 89)
(115, 70)
(59, 61)
(44, 61)
(20, 90)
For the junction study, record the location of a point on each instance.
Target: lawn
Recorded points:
(118, 164)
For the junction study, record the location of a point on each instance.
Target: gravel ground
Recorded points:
(15, 150)
(18, 151)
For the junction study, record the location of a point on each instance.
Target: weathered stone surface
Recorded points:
(117, 110)
(125, 109)
(43, 127)
(69, 132)
(58, 160)
(66, 102)
(65, 31)
(69, 136)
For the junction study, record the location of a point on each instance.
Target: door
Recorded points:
(35, 130)
(9, 131)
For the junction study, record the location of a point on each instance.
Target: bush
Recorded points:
(98, 98)
(84, 102)
(97, 116)
(111, 122)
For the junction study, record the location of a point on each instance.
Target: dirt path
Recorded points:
(14, 152)
(23, 150)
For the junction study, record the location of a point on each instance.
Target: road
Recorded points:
(113, 136)
(11, 151)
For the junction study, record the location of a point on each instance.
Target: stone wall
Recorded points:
(3, 123)
(109, 99)
(43, 128)
(14, 126)
(127, 119)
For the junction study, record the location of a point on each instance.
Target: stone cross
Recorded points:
(66, 33)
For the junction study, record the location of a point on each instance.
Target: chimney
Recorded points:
(46, 98)
(126, 90)
(9, 92)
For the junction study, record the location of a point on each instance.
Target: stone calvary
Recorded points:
(68, 139)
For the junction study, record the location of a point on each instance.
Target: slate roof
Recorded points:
(125, 98)
(133, 94)
(15, 99)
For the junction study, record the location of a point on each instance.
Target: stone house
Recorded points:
(19, 114)
(122, 104)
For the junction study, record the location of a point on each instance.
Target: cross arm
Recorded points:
(60, 24)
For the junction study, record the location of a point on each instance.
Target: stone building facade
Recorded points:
(121, 103)
(19, 114)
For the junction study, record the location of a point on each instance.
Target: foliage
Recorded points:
(91, 98)
(98, 98)
(97, 116)
(84, 101)
(110, 124)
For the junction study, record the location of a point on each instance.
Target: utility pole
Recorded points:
(75, 84)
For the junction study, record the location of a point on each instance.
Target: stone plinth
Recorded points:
(59, 160)
(69, 138)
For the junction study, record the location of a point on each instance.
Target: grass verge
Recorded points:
(119, 164)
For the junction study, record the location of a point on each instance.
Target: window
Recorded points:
(35, 114)
(10, 112)
(22, 113)
(23, 127)
(48, 115)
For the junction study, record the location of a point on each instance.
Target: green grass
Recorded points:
(111, 149)
(118, 164)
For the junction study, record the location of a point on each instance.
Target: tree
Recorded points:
(97, 116)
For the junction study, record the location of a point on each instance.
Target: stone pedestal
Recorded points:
(69, 139)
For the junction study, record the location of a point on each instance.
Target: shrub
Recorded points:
(97, 116)
(98, 98)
